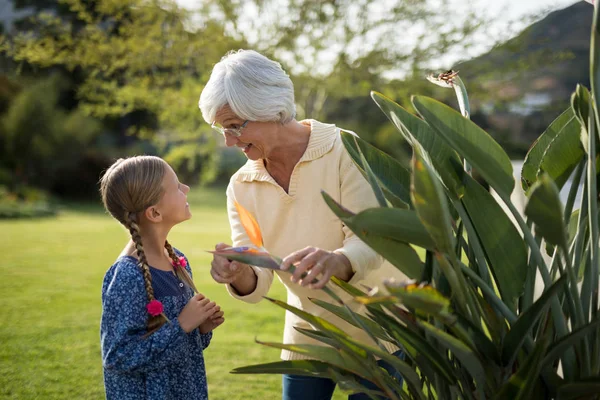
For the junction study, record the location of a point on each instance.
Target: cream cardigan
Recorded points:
(300, 218)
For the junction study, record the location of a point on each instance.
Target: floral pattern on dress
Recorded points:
(168, 364)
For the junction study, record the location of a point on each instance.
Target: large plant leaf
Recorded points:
(424, 299)
(371, 178)
(249, 256)
(501, 241)
(344, 313)
(393, 176)
(394, 223)
(521, 384)
(400, 254)
(423, 348)
(544, 208)
(580, 103)
(563, 154)
(470, 141)
(326, 354)
(557, 348)
(521, 328)
(585, 389)
(430, 203)
(462, 352)
(533, 160)
(296, 367)
(414, 129)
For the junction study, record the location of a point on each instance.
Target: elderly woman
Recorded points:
(250, 100)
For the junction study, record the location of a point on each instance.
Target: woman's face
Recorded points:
(256, 139)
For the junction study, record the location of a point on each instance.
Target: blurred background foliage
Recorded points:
(85, 82)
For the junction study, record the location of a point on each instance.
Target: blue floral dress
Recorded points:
(168, 364)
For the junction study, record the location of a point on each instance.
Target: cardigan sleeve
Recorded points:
(123, 326)
(264, 276)
(356, 195)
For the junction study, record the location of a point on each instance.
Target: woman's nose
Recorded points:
(230, 140)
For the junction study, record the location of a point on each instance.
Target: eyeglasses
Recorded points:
(237, 132)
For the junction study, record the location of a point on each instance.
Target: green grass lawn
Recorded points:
(51, 272)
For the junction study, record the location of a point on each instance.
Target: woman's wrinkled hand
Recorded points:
(239, 275)
(222, 270)
(318, 265)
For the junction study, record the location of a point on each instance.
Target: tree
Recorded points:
(133, 60)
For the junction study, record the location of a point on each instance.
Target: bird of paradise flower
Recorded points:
(257, 255)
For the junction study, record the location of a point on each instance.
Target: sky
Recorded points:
(508, 18)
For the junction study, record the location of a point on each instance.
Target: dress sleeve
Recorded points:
(356, 195)
(264, 276)
(205, 339)
(123, 326)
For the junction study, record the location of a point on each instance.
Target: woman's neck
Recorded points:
(285, 155)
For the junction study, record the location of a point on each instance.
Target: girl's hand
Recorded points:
(198, 310)
(311, 262)
(213, 322)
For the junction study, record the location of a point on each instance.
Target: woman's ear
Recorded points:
(152, 214)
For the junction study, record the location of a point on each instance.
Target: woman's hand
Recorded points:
(198, 310)
(237, 274)
(213, 322)
(313, 262)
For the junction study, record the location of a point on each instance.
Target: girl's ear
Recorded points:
(152, 214)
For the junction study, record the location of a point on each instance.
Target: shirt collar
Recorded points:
(321, 140)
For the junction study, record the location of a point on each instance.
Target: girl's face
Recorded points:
(173, 205)
(256, 139)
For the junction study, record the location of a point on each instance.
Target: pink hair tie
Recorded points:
(154, 308)
(181, 262)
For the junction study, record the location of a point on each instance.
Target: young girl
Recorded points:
(153, 329)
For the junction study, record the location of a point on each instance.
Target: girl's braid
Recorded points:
(181, 272)
(154, 322)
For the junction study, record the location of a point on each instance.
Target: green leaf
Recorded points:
(557, 348)
(393, 176)
(533, 161)
(296, 367)
(422, 298)
(429, 201)
(544, 208)
(319, 336)
(326, 354)
(470, 141)
(520, 384)
(371, 178)
(580, 103)
(414, 129)
(463, 353)
(423, 348)
(400, 254)
(497, 234)
(318, 322)
(258, 259)
(521, 328)
(587, 388)
(563, 154)
(344, 313)
(393, 223)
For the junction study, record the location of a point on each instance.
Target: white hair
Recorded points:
(255, 87)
